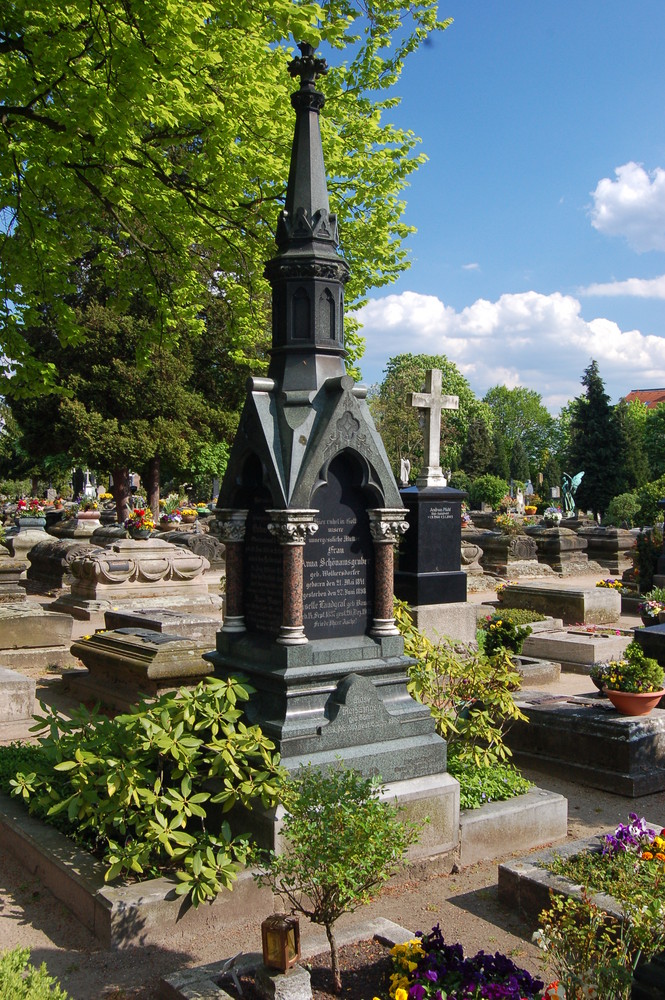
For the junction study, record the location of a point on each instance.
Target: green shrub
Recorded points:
(648, 548)
(502, 632)
(344, 842)
(622, 509)
(648, 496)
(480, 785)
(460, 480)
(19, 980)
(487, 489)
(137, 789)
(468, 693)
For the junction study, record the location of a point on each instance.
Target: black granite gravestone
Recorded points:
(430, 553)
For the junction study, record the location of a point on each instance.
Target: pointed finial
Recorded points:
(307, 66)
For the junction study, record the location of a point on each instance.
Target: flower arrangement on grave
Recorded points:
(530, 509)
(428, 967)
(649, 610)
(594, 953)
(106, 496)
(634, 672)
(32, 507)
(501, 632)
(612, 583)
(140, 518)
(509, 524)
(552, 516)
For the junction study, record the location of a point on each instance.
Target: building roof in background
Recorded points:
(650, 397)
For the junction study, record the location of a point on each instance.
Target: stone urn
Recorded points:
(634, 703)
(23, 523)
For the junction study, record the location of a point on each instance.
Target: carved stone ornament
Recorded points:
(148, 563)
(292, 527)
(387, 524)
(231, 525)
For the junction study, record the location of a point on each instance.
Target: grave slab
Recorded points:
(577, 652)
(519, 824)
(32, 638)
(586, 740)
(196, 625)
(574, 605)
(455, 620)
(17, 696)
(129, 662)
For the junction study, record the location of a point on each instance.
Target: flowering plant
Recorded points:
(188, 512)
(635, 837)
(651, 609)
(106, 496)
(502, 633)
(428, 967)
(173, 518)
(509, 524)
(552, 515)
(87, 503)
(140, 517)
(29, 508)
(611, 584)
(634, 672)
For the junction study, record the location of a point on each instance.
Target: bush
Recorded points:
(501, 632)
(468, 693)
(459, 480)
(19, 980)
(487, 489)
(136, 789)
(648, 548)
(480, 785)
(622, 510)
(344, 842)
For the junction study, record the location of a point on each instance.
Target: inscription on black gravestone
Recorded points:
(262, 569)
(339, 559)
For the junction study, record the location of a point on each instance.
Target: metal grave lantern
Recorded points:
(280, 937)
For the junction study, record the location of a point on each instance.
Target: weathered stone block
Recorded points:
(17, 696)
(519, 824)
(592, 605)
(575, 651)
(27, 626)
(196, 625)
(457, 621)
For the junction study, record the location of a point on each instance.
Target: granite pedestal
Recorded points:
(429, 553)
(585, 739)
(652, 641)
(456, 621)
(561, 549)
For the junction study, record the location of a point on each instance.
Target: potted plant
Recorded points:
(634, 684)
(87, 510)
(188, 515)
(140, 524)
(30, 513)
(650, 608)
(552, 516)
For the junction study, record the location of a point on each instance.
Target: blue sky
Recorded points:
(541, 210)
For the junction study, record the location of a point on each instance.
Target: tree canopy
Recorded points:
(151, 138)
(519, 414)
(595, 444)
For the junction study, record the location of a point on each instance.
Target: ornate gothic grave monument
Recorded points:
(310, 511)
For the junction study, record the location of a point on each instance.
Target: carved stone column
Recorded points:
(386, 525)
(232, 533)
(291, 529)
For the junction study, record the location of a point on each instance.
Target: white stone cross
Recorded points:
(431, 402)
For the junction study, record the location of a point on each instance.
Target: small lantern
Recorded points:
(280, 936)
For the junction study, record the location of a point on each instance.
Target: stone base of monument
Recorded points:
(585, 739)
(17, 696)
(31, 638)
(527, 821)
(128, 663)
(12, 572)
(151, 572)
(577, 651)
(51, 559)
(20, 541)
(456, 621)
(199, 626)
(534, 671)
(611, 548)
(526, 886)
(591, 605)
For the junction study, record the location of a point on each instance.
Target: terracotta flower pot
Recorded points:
(88, 515)
(188, 518)
(630, 703)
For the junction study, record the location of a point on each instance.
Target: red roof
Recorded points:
(650, 397)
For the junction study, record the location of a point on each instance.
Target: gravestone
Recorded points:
(429, 575)
(309, 512)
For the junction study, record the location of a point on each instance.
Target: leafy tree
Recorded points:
(595, 444)
(152, 138)
(519, 414)
(551, 476)
(398, 422)
(324, 876)
(632, 419)
(488, 489)
(478, 449)
(519, 463)
(654, 438)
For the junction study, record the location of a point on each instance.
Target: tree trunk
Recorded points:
(121, 492)
(34, 486)
(152, 487)
(334, 959)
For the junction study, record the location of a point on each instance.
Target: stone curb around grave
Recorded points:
(538, 817)
(201, 983)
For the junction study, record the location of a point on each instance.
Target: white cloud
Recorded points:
(642, 288)
(471, 267)
(633, 206)
(539, 341)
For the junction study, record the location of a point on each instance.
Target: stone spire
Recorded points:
(308, 274)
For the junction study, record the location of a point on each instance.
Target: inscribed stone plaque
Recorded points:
(339, 558)
(262, 571)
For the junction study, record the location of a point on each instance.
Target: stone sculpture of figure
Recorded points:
(404, 471)
(519, 501)
(528, 488)
(570, 484)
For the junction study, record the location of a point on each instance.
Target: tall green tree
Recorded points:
(632, 419)
(152, 139)
(500, 463)
(519, 463)
(551, 477)
(595, 444)
(519, 413)
(654, 439)
(478, 449)
(398, 422)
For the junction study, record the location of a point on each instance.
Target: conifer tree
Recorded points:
(519, 463)
(478, 449)
(595, 444)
